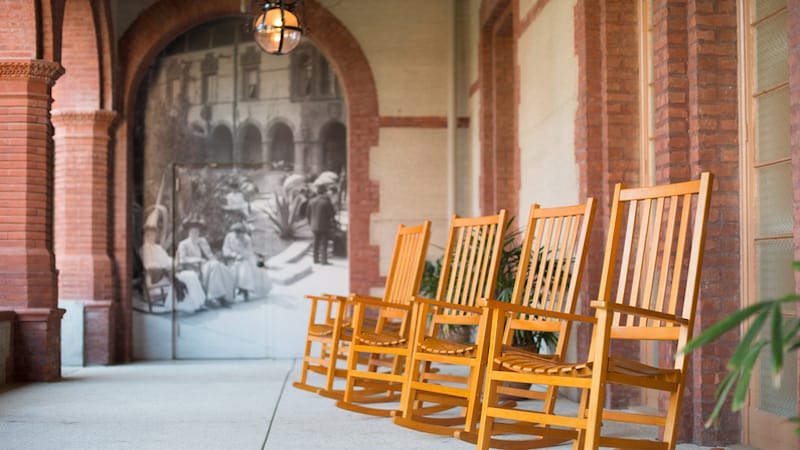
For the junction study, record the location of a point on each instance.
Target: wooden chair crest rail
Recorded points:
(648, 292)
(469, 272)
(332, 335)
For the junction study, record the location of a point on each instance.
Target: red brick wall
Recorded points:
(499, 81)
(37, 344)
(588, 146)
(607, 132)
(81, 211)
(696, 130)
(794, 87)
(79, 88)
(27, 269)
(714, 146)
(19, 19)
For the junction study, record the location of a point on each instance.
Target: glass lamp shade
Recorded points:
(277, 31)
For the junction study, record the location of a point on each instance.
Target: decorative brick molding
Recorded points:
(420, 122)
(31, 70)
(99, 120)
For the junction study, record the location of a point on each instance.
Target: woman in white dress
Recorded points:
(252, 281)
(154, 257)
(194, 253)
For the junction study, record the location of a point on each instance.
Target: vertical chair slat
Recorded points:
(669, 240)
(650, 279)
(677, 265)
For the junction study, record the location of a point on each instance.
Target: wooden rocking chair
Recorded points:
(656, 281)
(469, 272)
(334, 333)
(544, 297)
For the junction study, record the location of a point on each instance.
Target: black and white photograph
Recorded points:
(242, 194)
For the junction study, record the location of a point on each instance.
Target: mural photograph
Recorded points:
(241, 188)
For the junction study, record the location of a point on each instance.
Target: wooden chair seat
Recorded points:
(518, 361)
(381, 339)
(443, 347)
(319, 329)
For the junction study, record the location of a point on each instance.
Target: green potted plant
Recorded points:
(507, 274)
(781, 338)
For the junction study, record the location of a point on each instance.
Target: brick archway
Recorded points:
(167, 19)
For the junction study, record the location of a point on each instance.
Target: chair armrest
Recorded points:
(512, 307)
(327, 298)
(440, 304)
(360, 297)
(635, 310)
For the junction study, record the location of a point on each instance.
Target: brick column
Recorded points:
(28, 278)
(82, 245)
(711, 74)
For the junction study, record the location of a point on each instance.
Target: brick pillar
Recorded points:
(82, 245)
(711, 74)
(28, 278)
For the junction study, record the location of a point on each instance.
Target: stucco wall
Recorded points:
(413, 187)
(548, 101)
(409, 54)
(406, 44)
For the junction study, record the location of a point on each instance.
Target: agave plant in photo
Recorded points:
(285, 216)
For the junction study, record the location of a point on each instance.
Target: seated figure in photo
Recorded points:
(190, 293)
(194, 253)
(252, 280)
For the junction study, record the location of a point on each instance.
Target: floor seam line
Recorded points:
(277, 403)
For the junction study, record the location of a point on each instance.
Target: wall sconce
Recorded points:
(277, 29)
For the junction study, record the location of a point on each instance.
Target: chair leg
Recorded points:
(487, 422)
(673, 411)
(330, 374)
(594, 417)
(304, 369)
(581, 437)
(472, 415)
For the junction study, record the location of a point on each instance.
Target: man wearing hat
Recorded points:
(321, 216)
(194, 252)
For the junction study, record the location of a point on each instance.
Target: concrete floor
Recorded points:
(247, 404)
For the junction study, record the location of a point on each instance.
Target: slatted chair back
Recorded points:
(405, 273)
(469, 267)
(653, 257)
(550, 270)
